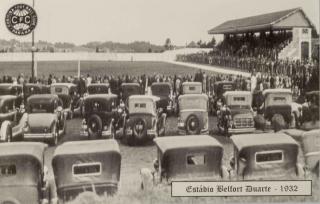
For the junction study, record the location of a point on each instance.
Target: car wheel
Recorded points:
(193, 125)
(55, 138)
(94, 126)
(139, 129)
(278, 123)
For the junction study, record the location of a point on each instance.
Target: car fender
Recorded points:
(3, 130)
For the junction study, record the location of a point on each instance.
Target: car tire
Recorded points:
(139, 136)
(94, 132)
(278, 123)
(55, 139)
(6, 131)
(192, 125)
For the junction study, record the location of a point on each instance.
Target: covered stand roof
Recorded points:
(279, 20)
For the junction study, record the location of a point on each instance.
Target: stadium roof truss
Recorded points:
(281, 20)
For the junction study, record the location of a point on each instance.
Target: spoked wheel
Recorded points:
(139, 130)
(193, 125)
(94, 127)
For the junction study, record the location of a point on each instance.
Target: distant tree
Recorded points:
(167, 44)
(149, 50)
(212, 43)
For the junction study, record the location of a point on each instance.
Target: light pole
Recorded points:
(33, 49)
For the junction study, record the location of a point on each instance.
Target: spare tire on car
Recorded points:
(278, 123)
(193, 125)
(139, 132)
(94, 126)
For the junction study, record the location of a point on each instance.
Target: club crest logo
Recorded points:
(21, 19)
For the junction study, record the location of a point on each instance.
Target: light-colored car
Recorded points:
(46, 118)
(192, 158)
(265, 156)
(143, 121)
(193, 114)
(12, 118)
(82, 167)
(68, 93)
(239, 108)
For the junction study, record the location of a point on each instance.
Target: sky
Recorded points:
(183, 21)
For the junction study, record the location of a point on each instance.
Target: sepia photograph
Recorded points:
(155, 102)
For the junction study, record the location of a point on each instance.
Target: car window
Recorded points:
(140, 105)
(86, 169)
(239, 98)
(8, 170)
(41, 108)
(275, 156)
(196, 159)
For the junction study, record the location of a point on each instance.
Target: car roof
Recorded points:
(237, 93)
(148, 97)
(44, 97)
(161, 83)
(100, 96)
(87, 147)
(63, 84)
(10, 84)
(130, 84)
(224, 82)
(262, 139)
(99, 84)
(192, 83)
(184, 142)
(268, 91)
(7, 97)
(33, 84)
(34, 149)
(193, 96)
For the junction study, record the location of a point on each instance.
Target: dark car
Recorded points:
(100, 115)
(12, 119)
(129, 89)
(12, 89)
(310, 111)
(21, 172)
(219, 88)
(163, 90)
(31, 89)
(46, 118)
(86, 166)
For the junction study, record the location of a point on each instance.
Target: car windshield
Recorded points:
(192, 103)
(41, 108)
(160, 90)
(59, 90)
(279, 99)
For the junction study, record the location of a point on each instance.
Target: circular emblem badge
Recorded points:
(21, 19)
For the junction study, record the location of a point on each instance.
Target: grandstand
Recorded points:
(281, 35)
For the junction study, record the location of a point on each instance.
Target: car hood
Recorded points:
(41, 119)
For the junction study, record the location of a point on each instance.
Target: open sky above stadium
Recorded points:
(182, 21)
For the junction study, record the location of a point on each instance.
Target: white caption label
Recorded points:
(241, 188)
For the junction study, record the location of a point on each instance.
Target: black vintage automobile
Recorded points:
(129, 89)
(69, 95)
(310, 111)
(101, 116)
(12, 89)
(31, 89)
(219, 89)
(163, 90)
(21, 173)
(98, 88)
(86, 167)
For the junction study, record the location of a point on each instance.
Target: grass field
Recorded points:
(69, 68)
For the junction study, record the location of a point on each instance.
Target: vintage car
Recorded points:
(46, 118)
(100, 116)
(265, 156)
(192, 158)
(69, 95)
(98, 88)
(219, 88)
(12, 119)
(21, 172)
(310, 111)
(163, 90)
(143, 121)
(12, 89)
(86, 166)
(277, 108)
(237, 115)
(31, 89)
(129, 89)
(191, 88)
(193, 116)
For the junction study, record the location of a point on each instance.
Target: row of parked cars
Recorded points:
(95, 166)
